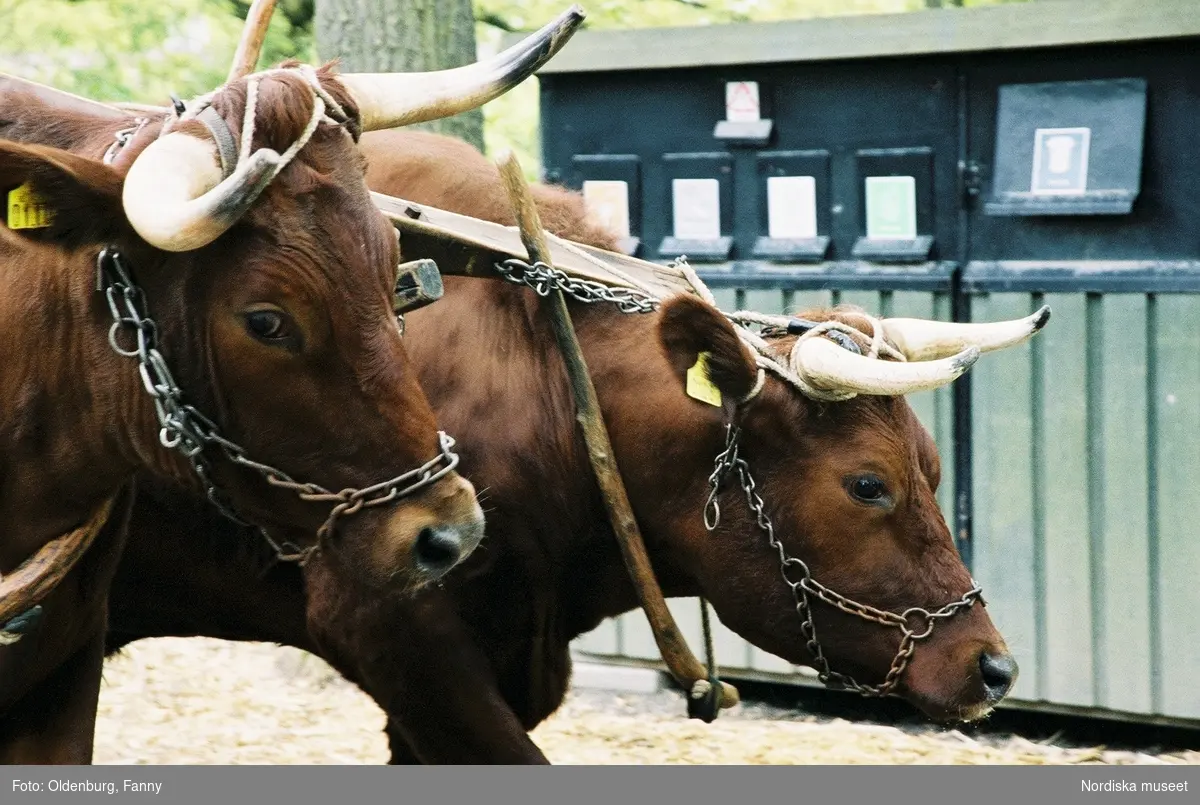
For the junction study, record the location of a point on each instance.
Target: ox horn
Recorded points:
(922, 340)
(390, 100)
(174, 196)
(830, 367)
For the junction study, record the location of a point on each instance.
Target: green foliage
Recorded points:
(131, 50)
(134, 50)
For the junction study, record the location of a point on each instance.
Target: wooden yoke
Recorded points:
(683, 665)
(254, 33)
(22, 589)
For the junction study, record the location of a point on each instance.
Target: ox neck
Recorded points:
(549, 512)
(76, 421)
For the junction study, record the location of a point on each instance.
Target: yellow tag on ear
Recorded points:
(700, 385)
(27, 210)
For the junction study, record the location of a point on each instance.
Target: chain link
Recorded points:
(729, 461)
(185, 429)
(543, 279)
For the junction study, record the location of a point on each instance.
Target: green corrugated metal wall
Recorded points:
(1086, 446)
(1086, 468)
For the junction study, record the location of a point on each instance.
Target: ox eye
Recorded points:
(270, 326)
(868, 489)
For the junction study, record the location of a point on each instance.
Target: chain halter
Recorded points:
(181, 426)
(915, 623)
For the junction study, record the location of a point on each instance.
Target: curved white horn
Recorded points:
(922, 340)
(389, 100)
(830, 367)
(174, 196)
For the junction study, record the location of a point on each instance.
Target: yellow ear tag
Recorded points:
(27, 210)
(699, 385)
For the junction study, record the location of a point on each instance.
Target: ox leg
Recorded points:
(55, 722)
(402, 753)
(453, 713)
(416, 658)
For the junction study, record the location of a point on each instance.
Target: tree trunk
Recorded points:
(380, 36)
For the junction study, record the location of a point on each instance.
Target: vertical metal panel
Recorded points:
(604, 639)
(764, 301)
(1122, 594)
(1001, 467)
(1174, 551)
(1089, 566)
(1065, 641)
(810, 300)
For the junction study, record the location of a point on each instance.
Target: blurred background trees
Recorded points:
(132, 50)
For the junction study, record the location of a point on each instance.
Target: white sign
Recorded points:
(697, 208)
(891, 207)
(791, 207)
(1060, 161)
(741, 101)
(608, 203)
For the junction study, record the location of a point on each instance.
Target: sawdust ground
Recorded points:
(202, 701)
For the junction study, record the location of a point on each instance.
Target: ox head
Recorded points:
(269, 274)
(847, 483)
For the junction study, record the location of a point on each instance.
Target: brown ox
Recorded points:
(271, 292)
(465, 669)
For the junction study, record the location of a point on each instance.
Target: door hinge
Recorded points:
(971, 176)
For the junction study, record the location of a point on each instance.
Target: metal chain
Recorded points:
(915, 623)
(544, 278)
(183, 428)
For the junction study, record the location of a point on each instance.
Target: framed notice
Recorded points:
(1060, 161)
(608, 202)
(696, 205)
(891, 207)
(741, 101)
(791, 207)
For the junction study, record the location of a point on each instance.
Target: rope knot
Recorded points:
(326, 109)
(792, 369)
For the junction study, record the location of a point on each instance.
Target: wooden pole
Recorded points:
(33, 580)
(254, 33)
(683, 665)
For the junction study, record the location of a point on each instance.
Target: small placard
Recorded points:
(27, 210)
(1060, 161)
(741, 101)
(891, 207)
(791, 207)
(608, 203)
(697, 208)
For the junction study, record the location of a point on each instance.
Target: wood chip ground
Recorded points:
(201, 701)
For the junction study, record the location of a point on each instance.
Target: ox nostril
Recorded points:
(998, 671)
(438, 550)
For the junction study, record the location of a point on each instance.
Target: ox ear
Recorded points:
(81, 196)
(688, 327)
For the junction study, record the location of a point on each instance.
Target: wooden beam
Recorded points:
(1016, 26)
(254, 33)
(482, 243)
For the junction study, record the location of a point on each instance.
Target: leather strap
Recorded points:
(226, 145)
